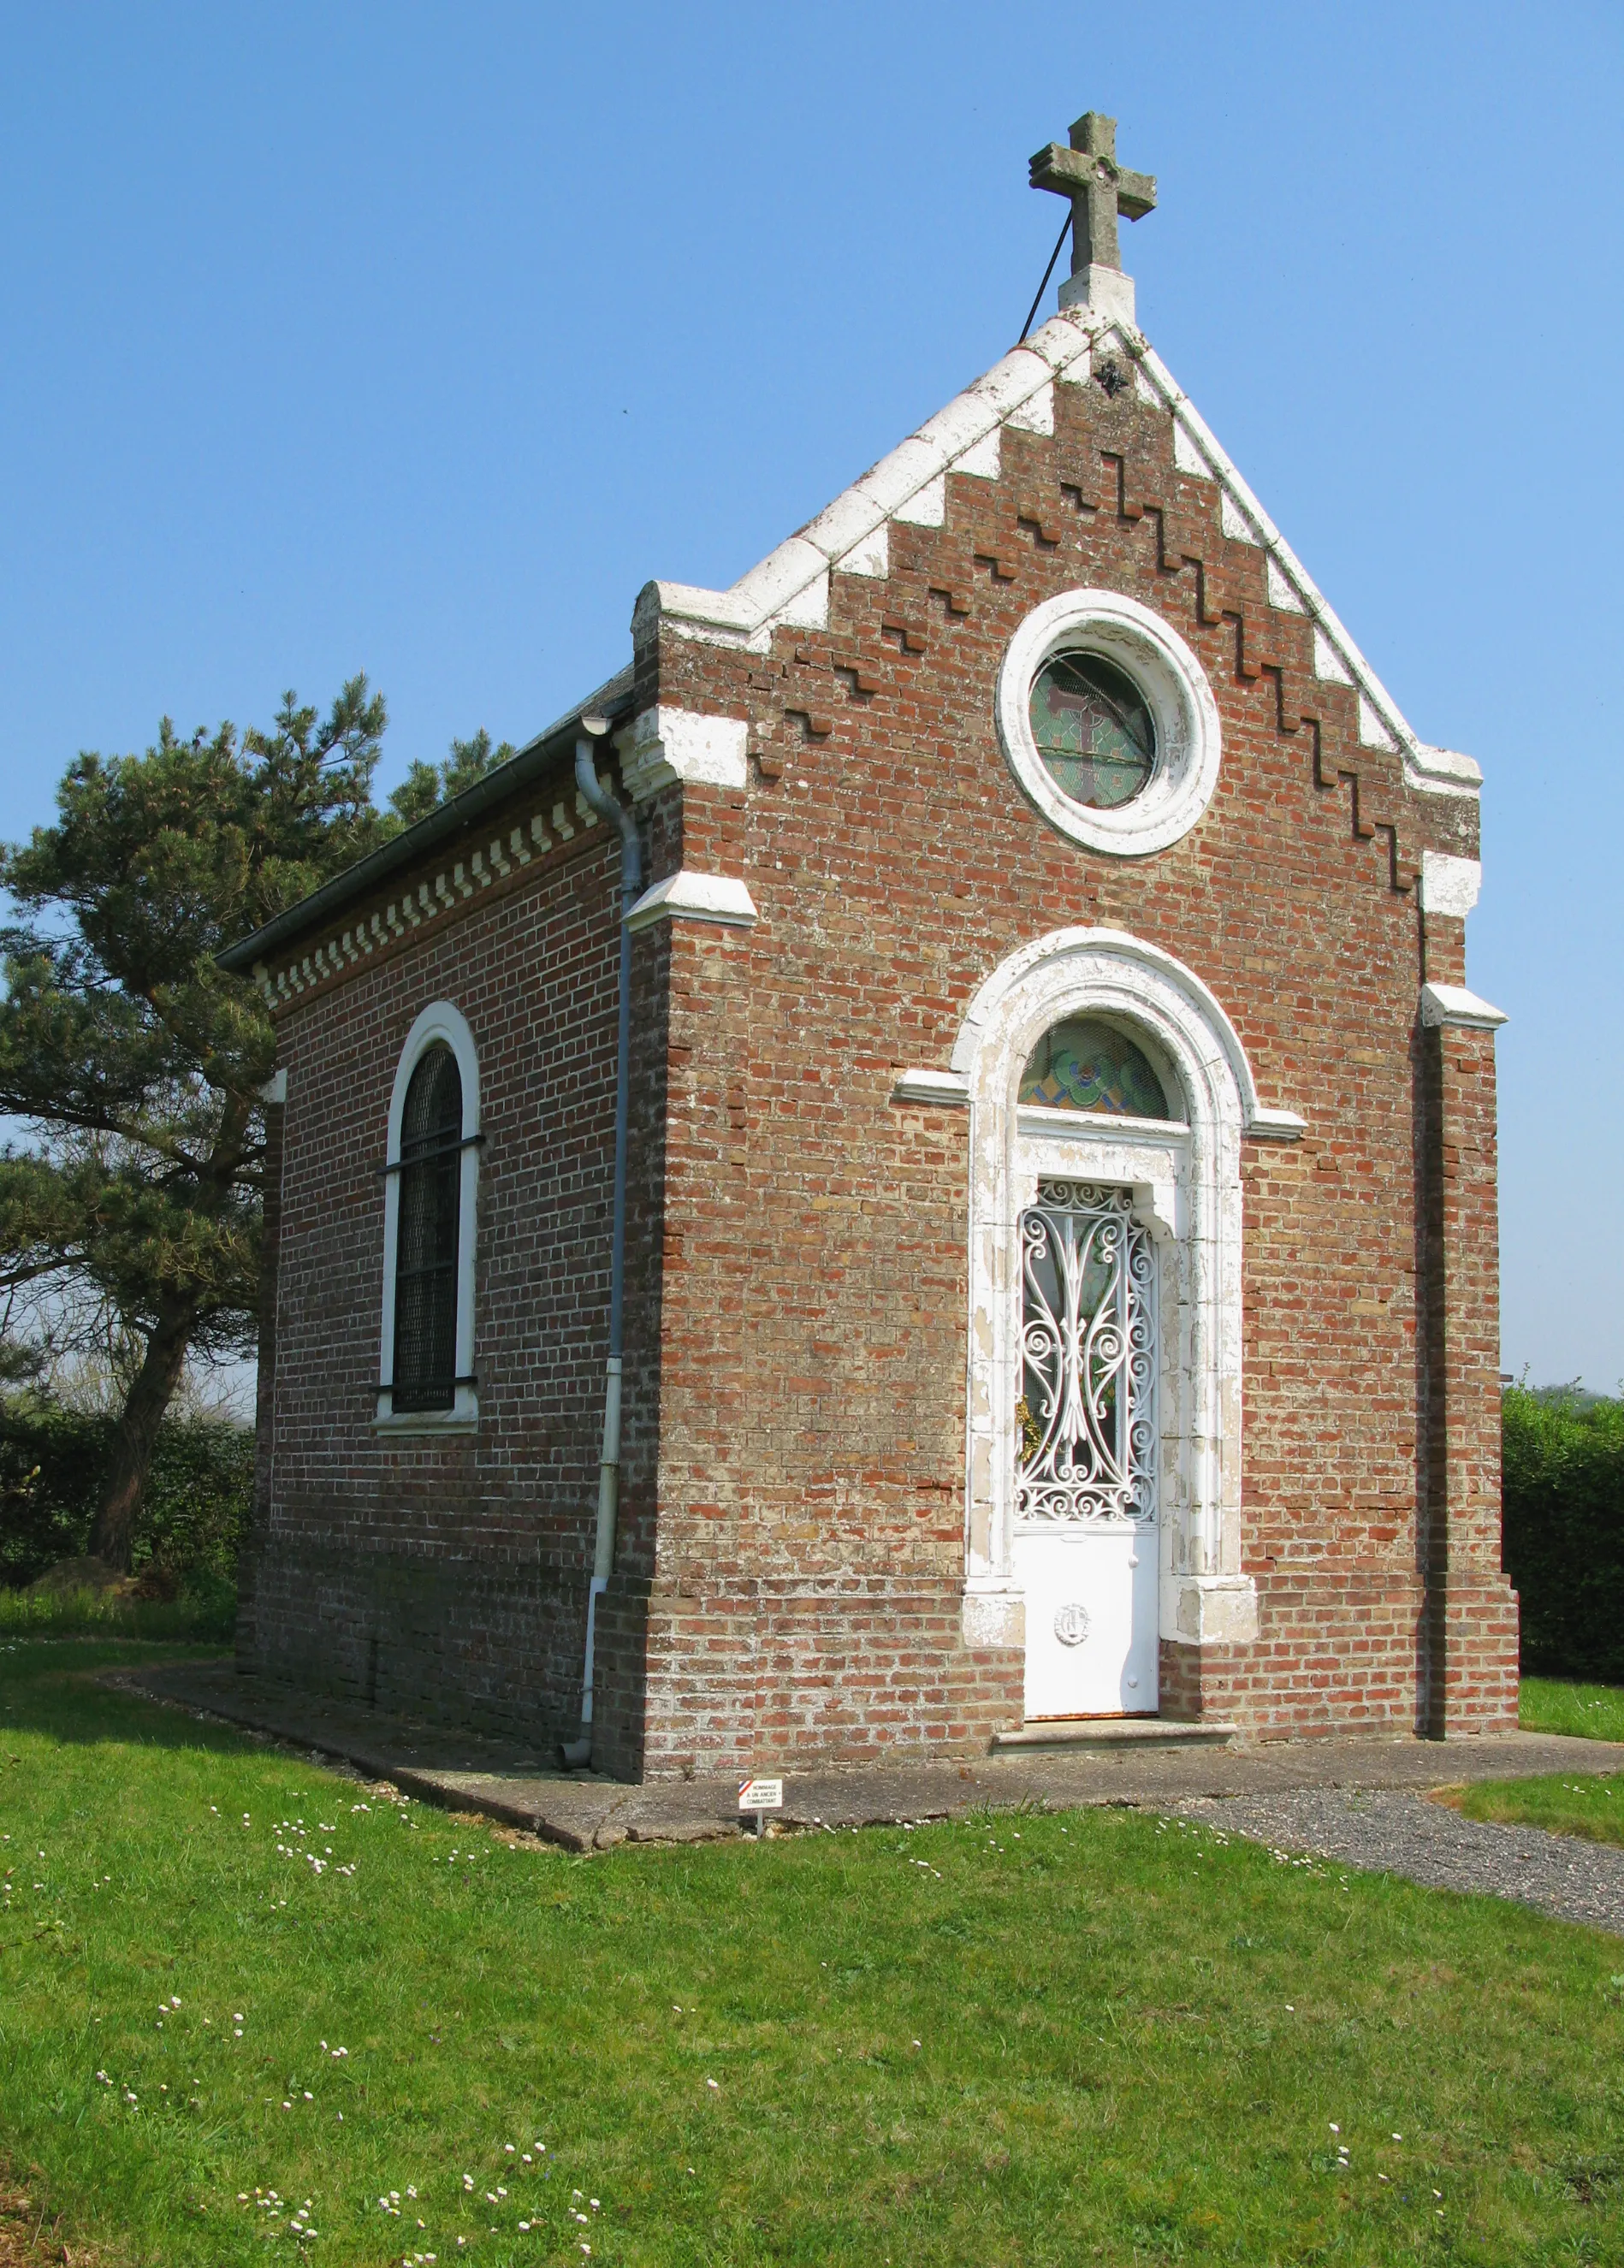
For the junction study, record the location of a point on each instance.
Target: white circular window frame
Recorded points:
(1176, 691)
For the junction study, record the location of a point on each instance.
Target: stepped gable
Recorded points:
(1155, 460)
(1087, 388)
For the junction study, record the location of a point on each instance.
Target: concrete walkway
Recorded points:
(462, 1773)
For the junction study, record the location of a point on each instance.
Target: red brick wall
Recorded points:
(813, 1365)
(450, 1576)
(791, 1562)
(1471, 1628)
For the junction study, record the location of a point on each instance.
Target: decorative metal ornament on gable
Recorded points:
(1087, 1439)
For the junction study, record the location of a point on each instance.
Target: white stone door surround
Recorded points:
(1186, 1186)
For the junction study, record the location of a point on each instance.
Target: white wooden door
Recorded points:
(1085, 1543)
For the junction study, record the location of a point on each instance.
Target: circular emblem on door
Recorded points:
(1071, 1626)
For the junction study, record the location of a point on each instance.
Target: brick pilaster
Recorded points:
(1469, 1633)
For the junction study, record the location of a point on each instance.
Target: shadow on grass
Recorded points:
(65, 1702)
(49, 1687)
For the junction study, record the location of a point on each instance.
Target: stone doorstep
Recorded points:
(1116, 1732)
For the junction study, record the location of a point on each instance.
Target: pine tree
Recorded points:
(134, 1063)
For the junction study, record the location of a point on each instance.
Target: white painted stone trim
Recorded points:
(1450, 764)
(987, 1008)
(1189, 736)
(1281, 592)
(1103, 292)
(440, 1021)
(1187, 1183)
(927, 506)
(528, 838)
(459, 1419)
(1449, 885)
(686, 895)
(984, 459)
(993, 1613)
(950, 1089)
(665, 745)
(1373, 734)
(1233, 521)
(1275, 1125)
(1036, 414)
(871, 555)
(792, 584)
(1188, 459)
(1452, 1004)
(275, 1087)
(1435, 770)
(1215, 1610)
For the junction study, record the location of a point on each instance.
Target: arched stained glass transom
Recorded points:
(1086, 1064)
(426, 1272)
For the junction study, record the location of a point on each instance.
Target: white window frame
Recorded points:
(1186, 1183)
(1175, 687)
(439, 1024)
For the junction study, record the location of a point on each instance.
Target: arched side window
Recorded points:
(425, 1259)
(426, 1381)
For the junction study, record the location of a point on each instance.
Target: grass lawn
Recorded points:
(1557, 1704)
(1592, 1807)
(86, 1614)
(228, 1975)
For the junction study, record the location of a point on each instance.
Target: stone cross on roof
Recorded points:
(1098, 187)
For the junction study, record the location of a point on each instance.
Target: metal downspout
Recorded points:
(578, 1752)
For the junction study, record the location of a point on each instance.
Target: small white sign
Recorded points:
(761, 1796)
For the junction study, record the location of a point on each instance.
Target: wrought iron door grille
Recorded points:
(1086, 1417)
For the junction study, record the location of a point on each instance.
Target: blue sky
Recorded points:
(415, 339)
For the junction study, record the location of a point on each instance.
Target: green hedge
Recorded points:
(1564, 1530)
(52, 1462)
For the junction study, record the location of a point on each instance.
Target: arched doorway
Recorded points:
(1087, 1441)
(1108, 1095)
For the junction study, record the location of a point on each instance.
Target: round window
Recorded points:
(1108, 722)
(1093, 730)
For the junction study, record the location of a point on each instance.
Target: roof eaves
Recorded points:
(613, 698)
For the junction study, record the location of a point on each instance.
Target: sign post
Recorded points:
(761, 1796)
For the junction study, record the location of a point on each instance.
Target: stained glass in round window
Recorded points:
(1085, 1065)
(1094, 734)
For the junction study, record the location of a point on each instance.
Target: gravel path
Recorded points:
(1385, 1831)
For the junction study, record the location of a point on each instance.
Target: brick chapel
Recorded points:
(919, 1171)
